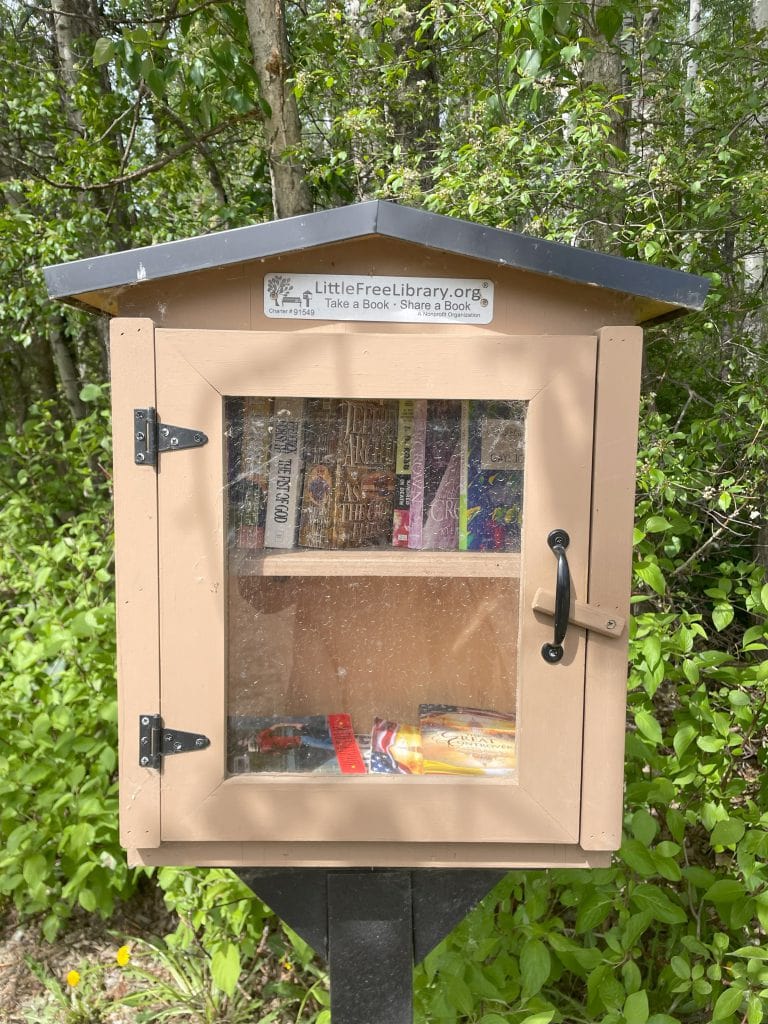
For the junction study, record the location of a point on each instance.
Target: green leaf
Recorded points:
(764, 597)
(722, 615)
(608, 21)
(90, 393)
(657, 524)
(225, 967)
(537, 1018)
(652, 898)
(535, 964)
(644, 826)
(529, 63)
(35, 869)
(648, 726)
(726, 890)
(636, 1008)
(637, 857)
(728, 832)
(683, 739)
(727, 1004)
(651, 574)
(103, 52)
(681, 967)
(651, 648)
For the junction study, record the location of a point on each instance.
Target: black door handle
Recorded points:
(559, 540)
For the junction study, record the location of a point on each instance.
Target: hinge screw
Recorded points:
(610, 624)
(164, 431)
(145, 721)
(174, 440)
(199, 742)
(144, 761)
(139, 456)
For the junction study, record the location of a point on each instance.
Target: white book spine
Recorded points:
(285, 471)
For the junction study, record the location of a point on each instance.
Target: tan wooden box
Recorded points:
(206, 630)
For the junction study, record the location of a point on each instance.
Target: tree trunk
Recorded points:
(67, 28)
(604, 67)
(65, 364)
(271, 59)
(692, 66)
(414, 107)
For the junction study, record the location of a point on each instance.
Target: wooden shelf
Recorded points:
(301, 562)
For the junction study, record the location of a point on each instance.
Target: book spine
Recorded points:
(464, 477)
(442, 466)
(418, 441)
(365, 474)
(348, 753)
(285, 473)
(254, 472)
(233, 418)
(403, 469)
(321, 430)
(493, 449)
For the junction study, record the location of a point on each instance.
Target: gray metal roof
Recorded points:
(670, 291)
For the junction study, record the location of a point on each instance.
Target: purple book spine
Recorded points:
(419, 437)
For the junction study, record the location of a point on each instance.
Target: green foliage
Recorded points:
(233, 935)
(493, 111)
(58, 715)
(674, 931)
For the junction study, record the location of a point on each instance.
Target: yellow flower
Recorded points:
(73, 979)
(123, 955)
(286, 964)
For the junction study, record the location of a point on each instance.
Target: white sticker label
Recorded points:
(410, 300)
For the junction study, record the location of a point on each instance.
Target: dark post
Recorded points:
(371, 925)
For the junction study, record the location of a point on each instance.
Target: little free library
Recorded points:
(374, 482)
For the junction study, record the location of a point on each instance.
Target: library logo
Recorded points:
(426, 300)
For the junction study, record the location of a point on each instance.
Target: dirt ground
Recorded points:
(85, 942)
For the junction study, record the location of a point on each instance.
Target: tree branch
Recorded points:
(142, 172)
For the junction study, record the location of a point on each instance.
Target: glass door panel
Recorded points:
(373, 584)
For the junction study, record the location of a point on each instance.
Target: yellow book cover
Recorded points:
(467, 741)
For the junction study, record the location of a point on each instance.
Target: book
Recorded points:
(233, 434)
(442, 467)
(459, 740)
(434, 513)
(348, 495)
(491, 475)
(275, 743)
(395, 748)
(253, 472)
(285, 474)
(418, 443)
(322, 424)
(403, 470)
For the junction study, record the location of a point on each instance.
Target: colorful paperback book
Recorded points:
(442, 467)
(395, 748)
(491, 476)
(285, 474)
(403, 471)
(313, 743)
(435, 478)
(253, 472)
(348, 495)
(418, 442)
(322, 424)
(467, 741)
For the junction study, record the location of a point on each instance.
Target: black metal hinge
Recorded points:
(157, 742)
(150, 437)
